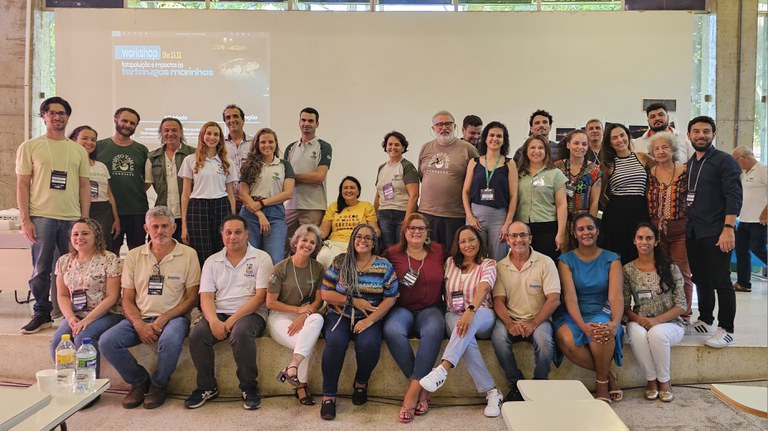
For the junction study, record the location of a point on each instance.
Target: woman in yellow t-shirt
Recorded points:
(342, 217)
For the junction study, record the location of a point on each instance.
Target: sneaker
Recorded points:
(514, 394)
(359, 395)
(155, 397)
(37, 324)
(738, 287)
(328, 410)
(495, 399)
(199, 397)
(251, 399)
(435, 379)
(700, 328)
(722, 338)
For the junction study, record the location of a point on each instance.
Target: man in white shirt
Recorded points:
(658, 121)
(751, 232)
(233, 291)
(237, 142)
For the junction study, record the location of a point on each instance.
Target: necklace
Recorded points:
(310, 281)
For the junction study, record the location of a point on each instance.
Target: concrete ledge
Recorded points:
(691, 363)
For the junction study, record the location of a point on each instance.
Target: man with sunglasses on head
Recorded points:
(52, 191)
(442, 167)
(526, 293)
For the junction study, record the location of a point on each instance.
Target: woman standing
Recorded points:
(655, 285)
(293, 299)
(397, 189)
(266, 182)
(87, 287)
(359, 288)
(667, 190)
(207, 196)
(419, 309)
(588, 323)
(583, 186)
(542, 202)
(624, 185)
(490, 189)
(469, 277)
(103, 207)
(342, 217)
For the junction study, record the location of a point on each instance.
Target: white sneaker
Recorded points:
(435, 379)
(495, 399)
(722, 338)
(700, 328)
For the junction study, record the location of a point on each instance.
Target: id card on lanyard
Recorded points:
(691, 196)
(486, 194)
(156, 281)
(79, 300)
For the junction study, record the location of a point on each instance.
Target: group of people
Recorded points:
(520, 256)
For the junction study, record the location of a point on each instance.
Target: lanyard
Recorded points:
(489, 174)
(298, 286)
(51, 155)
(698, 174)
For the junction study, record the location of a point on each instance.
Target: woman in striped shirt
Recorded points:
(469, 276)
(625, 179)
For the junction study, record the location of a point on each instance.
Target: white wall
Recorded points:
(369, 73)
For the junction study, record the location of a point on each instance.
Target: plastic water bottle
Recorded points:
(65, 365)
(85, 379)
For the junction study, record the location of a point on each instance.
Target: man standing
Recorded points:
(526, 293)
(162, 168)
(52, 191)
(311, 158)
(594, 129)
(714, 199)
(442, 167)
(751, 233)
(472, 129)
(125, 160)
(237, 144)
(658, 121)
(160, 281)
(233, 291)
(540, 123)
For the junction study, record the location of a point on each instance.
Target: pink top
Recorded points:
(468, 283)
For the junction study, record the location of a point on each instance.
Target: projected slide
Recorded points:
(191, 76)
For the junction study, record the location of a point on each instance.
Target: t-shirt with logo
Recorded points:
(126, 171)
(304, 158)
(210, 181)
(442, 169)
(390, 184)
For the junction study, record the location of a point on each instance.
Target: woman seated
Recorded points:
(588, 324)
(419, 310)
(342, 217)
(293, 299)
(87, 287)
(359, 288)
(469, 276)
(655, 285)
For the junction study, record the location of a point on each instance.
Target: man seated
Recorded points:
(160, 281)
(526, 293)
(233, 291)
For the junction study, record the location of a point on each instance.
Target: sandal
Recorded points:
(422, 407)
(307, 399)
(284, 376)
(406, 415)
(616, 394)
(606, 400)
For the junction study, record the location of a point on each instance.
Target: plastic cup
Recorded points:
(46, 381)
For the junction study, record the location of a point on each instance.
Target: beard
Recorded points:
(124, 131)
(661, 128)
(701, 147)
(445, 139)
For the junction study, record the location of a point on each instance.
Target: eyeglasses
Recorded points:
(470, 240)
(518, 235)
(440, 125)
(366, 238)
(54, 114)
(414, 229)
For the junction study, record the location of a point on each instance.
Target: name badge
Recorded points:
(58, 180)
(569, 190)
(689, 199)
(457, 302)
(486, 194)
(389, 191)
(538, 182)
(94, 189)
(410, 277)
(79, 300)
(155, 285)
(644, 295)
(607, 310)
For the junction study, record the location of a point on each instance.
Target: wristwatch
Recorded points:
(729, 225)
(471, 308)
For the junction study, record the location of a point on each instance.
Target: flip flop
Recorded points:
(406, 415)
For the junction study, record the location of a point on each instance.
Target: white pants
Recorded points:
(652, 348)
(330, 251)
(302, 342)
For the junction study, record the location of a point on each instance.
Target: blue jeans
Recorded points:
(390, 222)
(274, 242)
(543, 350)
(51, 234)
(116, 341)
(367, 351)
(749, 237)
(94, 331)
(466, 347)
(429, 325)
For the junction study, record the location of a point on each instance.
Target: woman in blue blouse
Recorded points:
(588, 324)
(359, 288)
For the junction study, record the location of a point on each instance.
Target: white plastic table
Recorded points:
(553, 390)
(60, 408)
(571, 415)
(18, 404)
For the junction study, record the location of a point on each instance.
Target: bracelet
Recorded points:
(729, 225)
(308, 313)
